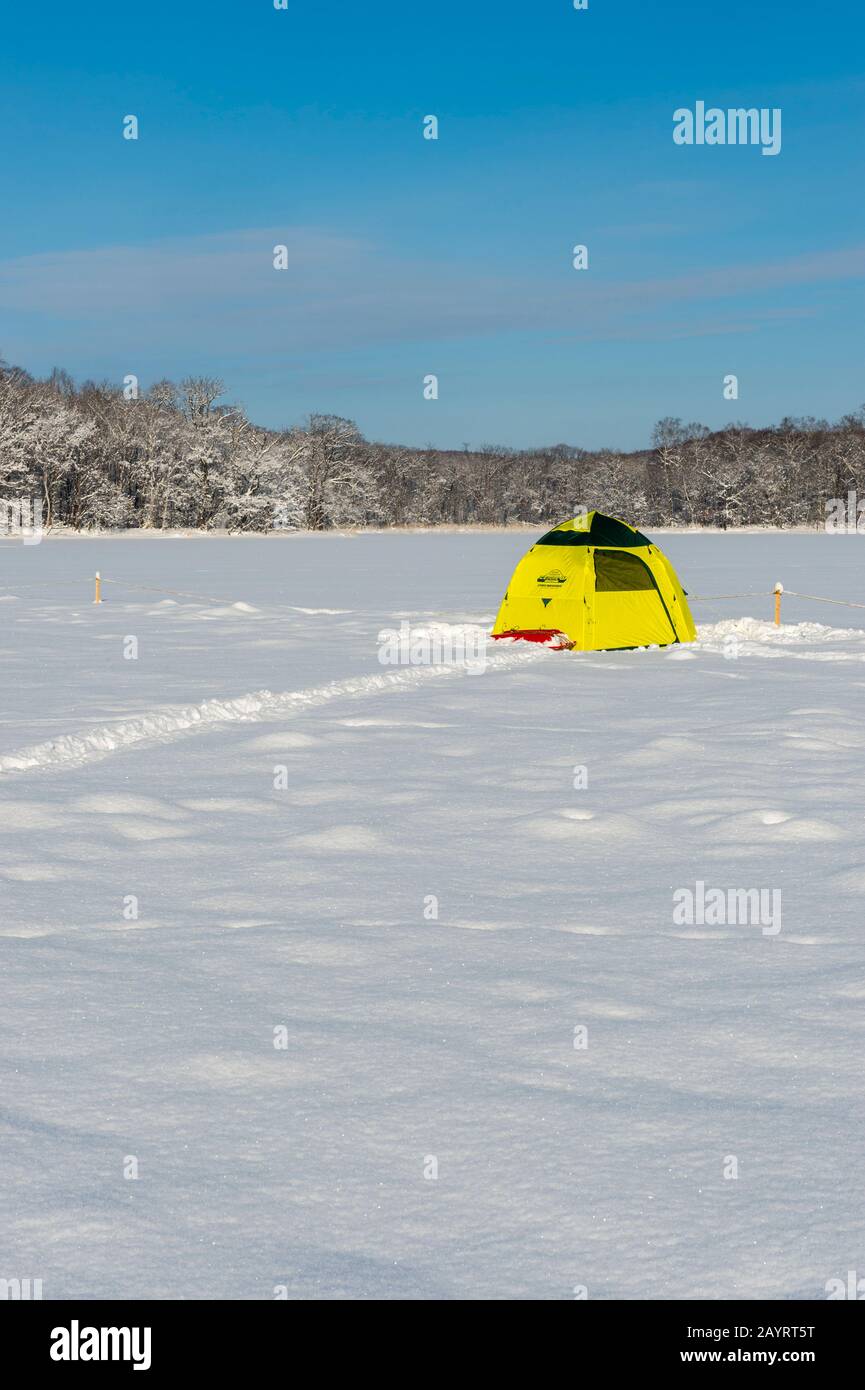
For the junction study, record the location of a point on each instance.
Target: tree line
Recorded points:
(102, 456)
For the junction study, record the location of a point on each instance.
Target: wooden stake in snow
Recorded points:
(779, 589)
(97, 597)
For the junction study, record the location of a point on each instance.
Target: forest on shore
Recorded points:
(104, 456)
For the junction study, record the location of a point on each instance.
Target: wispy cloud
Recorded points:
(221, 294)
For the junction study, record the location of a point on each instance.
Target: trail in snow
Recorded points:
(162, 725)
(753, 637)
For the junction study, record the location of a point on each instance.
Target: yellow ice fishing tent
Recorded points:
(599, 584)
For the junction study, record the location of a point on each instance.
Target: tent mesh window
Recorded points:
(619, 573)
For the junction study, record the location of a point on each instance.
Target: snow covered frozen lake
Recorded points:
(322, 1085)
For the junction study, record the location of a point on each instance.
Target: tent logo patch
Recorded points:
(552, 577)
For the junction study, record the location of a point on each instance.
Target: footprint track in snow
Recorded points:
(166, 724)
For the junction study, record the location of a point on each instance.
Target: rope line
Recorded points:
(145, 588)
(706, 598)
(209, 598)
(156, 589)
(815, 598)
(40, 583)
(769, 593)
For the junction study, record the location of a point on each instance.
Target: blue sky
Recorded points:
(409, 257)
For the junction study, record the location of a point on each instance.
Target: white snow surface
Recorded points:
(304, 906)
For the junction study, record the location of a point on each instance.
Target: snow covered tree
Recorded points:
(336, 481)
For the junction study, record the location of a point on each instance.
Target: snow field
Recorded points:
(305, 907)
